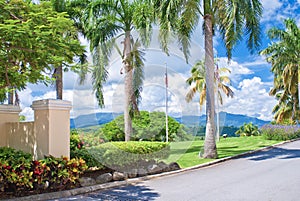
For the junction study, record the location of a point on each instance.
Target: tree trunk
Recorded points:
(210, 149)
(59, 82)
(10, 97)
(128, 87)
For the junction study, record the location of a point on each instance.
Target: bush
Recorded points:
(75, 141)
(248, 130)
(280, 132)
(122, 155)
(18, 173)
(87, 156)
(147, 126)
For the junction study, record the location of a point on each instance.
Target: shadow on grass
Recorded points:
(276, 152)
(128, 192)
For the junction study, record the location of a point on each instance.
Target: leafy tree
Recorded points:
(32, 40)
(197, 80)
(63, 6)
(147, 126)
(106, 21)
(233, 18)
(248, 130)
(284, 55)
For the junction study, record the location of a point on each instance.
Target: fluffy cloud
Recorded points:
(251, 98)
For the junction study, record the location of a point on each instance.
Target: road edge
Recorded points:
(88, 189)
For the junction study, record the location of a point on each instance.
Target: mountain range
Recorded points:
(225, 119)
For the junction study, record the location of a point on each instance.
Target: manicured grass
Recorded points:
(186, 154)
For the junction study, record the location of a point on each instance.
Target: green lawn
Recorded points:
(186, 154)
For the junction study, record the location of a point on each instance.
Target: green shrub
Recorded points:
(128, 154)
(87, 156)
(280, 132)
(147, 126)
(248, 130)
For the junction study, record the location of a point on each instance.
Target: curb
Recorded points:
(88, 189)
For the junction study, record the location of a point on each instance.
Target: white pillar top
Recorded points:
(5, 108)
(51, 104)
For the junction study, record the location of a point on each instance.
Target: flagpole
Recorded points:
(218, 114)
(166, 83)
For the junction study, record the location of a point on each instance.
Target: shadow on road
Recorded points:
(276, 152)
(129, 192)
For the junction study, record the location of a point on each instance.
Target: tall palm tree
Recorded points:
(197, 81)
(284, 55)
(232, 18)
(106, 21)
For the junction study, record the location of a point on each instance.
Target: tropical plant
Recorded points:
(248, 130)
(284, 55)
(197, 81)
(233, 18)
(104, 23)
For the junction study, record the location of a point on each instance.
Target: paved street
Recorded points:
(272, 175)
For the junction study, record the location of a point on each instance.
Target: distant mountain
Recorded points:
(83, 121)
(226, 119)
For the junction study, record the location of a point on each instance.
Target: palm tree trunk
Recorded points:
(210, 149)
(59, 82)
(128, 86)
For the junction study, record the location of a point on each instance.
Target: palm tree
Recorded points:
(197, 81)
(284, 55)
(106, 21)
(232, 18)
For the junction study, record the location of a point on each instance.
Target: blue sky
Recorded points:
(250, 75)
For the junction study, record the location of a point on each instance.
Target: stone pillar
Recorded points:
(52, 127)
(8, 113)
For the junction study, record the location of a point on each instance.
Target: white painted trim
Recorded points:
(51, 104)
(9, 109)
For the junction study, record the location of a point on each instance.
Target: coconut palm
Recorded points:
(105, 22)
(284, 55)
(232, 18)
(197, 81)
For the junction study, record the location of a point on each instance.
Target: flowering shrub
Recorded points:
(75, 141)
(18, 173)
(280, 132)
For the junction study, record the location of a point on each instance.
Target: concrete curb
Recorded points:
(88, 189)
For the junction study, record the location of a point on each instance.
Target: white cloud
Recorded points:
(251, 98)
(271, 8)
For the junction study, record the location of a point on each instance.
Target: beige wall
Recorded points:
(8, 113)
(21, 136)
(52, 125)
(49, 134)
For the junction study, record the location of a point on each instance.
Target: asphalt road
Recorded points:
(272, 175)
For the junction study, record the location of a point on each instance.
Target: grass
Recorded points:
(186, 154)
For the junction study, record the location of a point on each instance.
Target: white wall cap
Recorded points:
(51, 104)
(5, 108)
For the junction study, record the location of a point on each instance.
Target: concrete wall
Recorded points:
(21, 136)
(49, 134)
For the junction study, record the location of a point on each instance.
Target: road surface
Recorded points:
(272, 175)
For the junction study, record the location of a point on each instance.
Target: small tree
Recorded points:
(32, 40)
(248, 130)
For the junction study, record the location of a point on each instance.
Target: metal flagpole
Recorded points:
(218, 114)
(166, 83)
